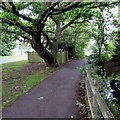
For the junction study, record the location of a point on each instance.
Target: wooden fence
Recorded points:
(98, 108)
(34, 57)
(62, 57)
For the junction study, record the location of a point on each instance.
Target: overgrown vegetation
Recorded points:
(19, 77)
(81, 100)
(102, 82)
(106, 49)
(82, 106)
(116, 35)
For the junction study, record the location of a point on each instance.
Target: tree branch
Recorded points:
(21, 35)
(15, 12)
(6, 29)
(70, 7)
(13, 8)
(64, 9)
(47, 12)
(47, 38)
(78, 16)
(49, 31)
(13, 22)
(67, 4)
(53, 19)
(73, 20)
(64, 27)
(77, 5)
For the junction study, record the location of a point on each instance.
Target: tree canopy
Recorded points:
(42, 23)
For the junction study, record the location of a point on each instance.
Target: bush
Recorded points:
(6, 45)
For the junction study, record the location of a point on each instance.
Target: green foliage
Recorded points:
(82, 106)
(104, 46)
(102, 83)
(80, 50)
(83, 76)
(6, 45)
(100, 59)
(36, 22)
(68, 45)
(109, 48)
(106, 53)
(116, 37)
(82, 38)
(82, 70)
(76, 40)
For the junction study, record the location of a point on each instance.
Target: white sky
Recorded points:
(115, 11)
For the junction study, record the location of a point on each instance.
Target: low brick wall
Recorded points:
(111, 67)
(62, 57)
(109, 64)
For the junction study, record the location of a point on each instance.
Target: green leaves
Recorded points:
(31, 18)
(6, 45)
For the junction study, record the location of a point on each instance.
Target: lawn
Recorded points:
(19, 77)
(8, 56)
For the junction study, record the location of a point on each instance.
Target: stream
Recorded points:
(115, 91)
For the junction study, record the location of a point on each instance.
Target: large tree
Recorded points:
(30, 18)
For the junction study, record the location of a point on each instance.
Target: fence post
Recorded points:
(63, 57)
(59, 60)
(66, 55)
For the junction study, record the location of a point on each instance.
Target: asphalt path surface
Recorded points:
(54, 97)
(12, 59)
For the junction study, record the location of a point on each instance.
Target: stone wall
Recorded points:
(111, 67)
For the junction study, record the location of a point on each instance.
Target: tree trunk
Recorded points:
(99, 51)
(57, 37)
(43, 53)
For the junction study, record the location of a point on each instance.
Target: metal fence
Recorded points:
(98, 107)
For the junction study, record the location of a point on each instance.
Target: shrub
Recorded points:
(6, 45)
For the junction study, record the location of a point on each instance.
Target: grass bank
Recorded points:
(19, 77)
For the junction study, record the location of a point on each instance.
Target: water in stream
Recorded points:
(115, 90)
(112, 94)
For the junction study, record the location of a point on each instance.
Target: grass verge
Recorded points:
(19, 77)
(8, 56)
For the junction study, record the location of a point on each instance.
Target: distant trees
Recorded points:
(102, 32)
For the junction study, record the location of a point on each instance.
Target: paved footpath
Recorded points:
(54, 97)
